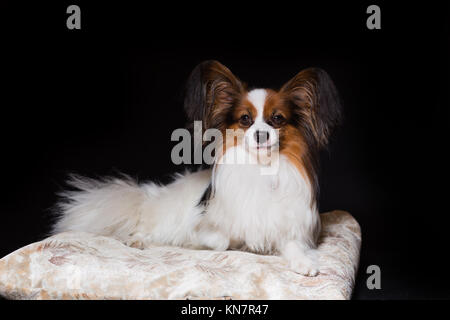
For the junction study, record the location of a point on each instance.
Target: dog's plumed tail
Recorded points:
(110, 207)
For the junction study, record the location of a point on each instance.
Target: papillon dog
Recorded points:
(232, 204)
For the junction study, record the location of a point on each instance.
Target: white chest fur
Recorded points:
(262, 210)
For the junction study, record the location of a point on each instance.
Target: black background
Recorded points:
(106, 98)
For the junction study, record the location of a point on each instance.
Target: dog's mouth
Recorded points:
(265, 147)
(264, 152)
(260, 148)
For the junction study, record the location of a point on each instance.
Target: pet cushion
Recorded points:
(76, 265)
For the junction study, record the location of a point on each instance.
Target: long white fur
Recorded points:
(246, 211)
(145, 214)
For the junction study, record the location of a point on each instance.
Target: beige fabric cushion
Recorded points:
(86, 266)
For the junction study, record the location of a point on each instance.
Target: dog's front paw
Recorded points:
(219, 244)
(136, 240)
(301, 260)
(134, 243)
(305, 265)
(213, 240)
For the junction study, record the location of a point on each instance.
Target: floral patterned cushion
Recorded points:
(85, 266)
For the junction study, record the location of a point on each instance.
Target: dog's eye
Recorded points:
(278, 119)
(245, 120)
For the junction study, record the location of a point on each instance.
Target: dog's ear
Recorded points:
(211, 91)
(316, 102)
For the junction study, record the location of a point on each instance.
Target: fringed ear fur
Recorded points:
(211, 91)
(316, 102)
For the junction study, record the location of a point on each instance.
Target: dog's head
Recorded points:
(296, 120)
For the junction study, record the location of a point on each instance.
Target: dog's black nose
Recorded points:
(261, 136)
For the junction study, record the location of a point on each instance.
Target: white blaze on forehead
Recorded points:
(258, 98)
